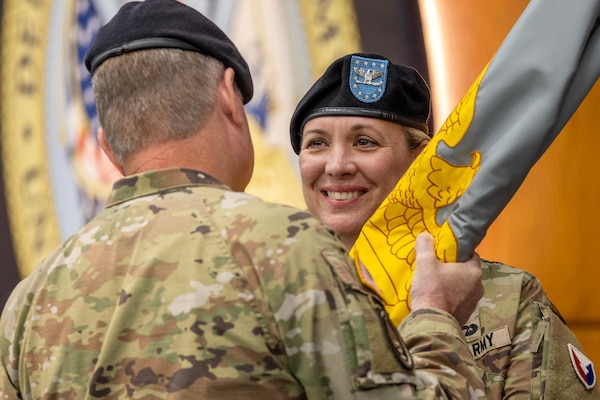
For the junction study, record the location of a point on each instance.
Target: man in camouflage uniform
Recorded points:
(185, 287)
(518, 338)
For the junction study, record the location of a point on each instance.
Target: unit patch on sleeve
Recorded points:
(584, 368)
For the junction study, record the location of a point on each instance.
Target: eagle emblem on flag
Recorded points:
(472, 167)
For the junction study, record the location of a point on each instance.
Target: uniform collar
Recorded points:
(156, 181)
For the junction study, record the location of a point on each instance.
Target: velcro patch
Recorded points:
(584, 367)
(489, 341)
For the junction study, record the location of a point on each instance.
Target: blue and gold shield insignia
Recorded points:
(368, 78)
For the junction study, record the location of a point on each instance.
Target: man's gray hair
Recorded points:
(153, 96)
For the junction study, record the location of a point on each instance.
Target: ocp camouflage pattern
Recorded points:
(514, 334)
(181, 288)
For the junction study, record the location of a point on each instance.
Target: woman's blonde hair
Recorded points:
(414, 137)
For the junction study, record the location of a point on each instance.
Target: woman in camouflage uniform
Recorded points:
(353, 150)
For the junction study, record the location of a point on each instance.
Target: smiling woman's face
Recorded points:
(348, 166)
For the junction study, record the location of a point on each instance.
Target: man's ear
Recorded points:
(230, 98)
(108, 150)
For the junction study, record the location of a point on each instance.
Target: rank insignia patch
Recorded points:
(368, 78)
(584, 368)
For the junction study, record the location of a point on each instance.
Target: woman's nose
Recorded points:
(340, 163)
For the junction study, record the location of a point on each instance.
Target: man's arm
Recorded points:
(443, 296)
(340, 342)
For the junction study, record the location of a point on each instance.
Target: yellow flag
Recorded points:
(385, 247)
(473, 166)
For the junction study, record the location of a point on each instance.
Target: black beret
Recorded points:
(149, 24)
(365, 85)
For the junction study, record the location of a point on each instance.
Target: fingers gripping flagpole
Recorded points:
(476, 162)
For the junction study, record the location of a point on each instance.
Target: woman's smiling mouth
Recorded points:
(344, 195)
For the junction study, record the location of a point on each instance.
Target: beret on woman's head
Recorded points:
(365, 85)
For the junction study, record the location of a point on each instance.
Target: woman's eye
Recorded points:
(315, 143)
(365, 142)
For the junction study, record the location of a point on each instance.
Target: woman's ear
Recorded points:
(422, 145)
(108, 150)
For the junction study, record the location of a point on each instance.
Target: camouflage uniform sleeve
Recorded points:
(8, 360)
(547, 360)
(439, 350)
(559, 375)
(539, 365)
(12, 325)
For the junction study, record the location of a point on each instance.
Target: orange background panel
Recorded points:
(550, 226)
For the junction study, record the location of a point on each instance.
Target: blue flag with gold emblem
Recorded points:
(476, 162)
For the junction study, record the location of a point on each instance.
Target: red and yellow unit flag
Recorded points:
(480, 156)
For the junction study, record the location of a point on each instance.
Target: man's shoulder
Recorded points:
(235, 207)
